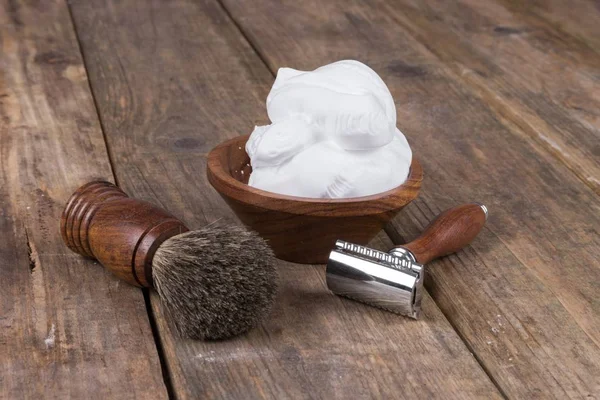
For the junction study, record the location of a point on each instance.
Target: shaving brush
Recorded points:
(215, 282)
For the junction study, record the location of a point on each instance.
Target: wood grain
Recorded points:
(63, 330)
(172, 80)
(578, 18)
(289, 223)
(543, 80)
(524, 296)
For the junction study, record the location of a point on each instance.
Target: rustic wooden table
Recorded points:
(499, 99)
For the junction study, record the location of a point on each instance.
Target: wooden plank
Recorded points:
(67, 328)
(525, 295)
(172, 80)
(543, 80)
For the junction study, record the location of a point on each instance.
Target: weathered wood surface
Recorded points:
(67, 328)
(525, 295)
(171, 81)
(545, 81)
(578, 18)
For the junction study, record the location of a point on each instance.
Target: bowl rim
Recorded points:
(230, 187)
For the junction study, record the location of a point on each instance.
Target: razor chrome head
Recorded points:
(392, 281)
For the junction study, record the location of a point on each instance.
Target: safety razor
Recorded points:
(393, 281)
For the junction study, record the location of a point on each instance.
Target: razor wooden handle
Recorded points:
(122, 233)
(449, 232)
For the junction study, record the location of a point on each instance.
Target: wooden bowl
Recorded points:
(299, 229)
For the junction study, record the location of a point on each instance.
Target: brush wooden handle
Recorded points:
(122, 233)
(449, 232)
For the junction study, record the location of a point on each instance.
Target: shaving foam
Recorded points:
(333, 135)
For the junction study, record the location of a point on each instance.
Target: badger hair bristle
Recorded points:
(215, 282)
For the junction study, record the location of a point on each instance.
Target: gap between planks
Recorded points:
(95, 101)
(166, 377)
(500, 108)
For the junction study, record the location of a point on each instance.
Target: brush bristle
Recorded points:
(215, 282)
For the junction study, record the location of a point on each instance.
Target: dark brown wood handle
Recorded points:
(449, 232)
(102, 222)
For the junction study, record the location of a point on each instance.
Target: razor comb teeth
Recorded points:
(381, 257)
